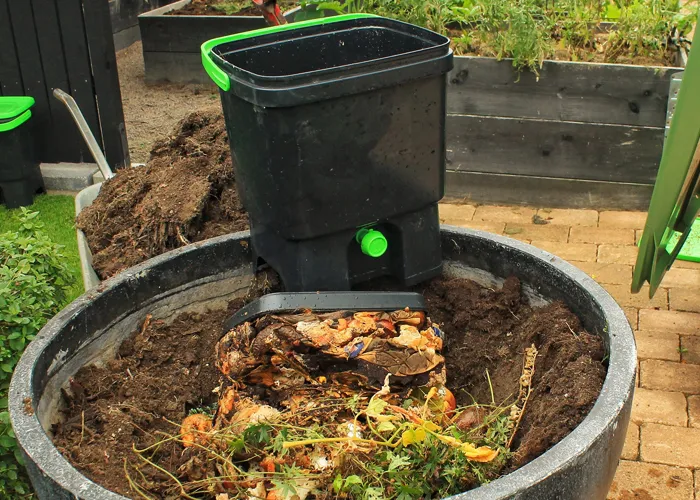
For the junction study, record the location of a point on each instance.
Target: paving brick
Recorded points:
(575, 252)
(684, 299)
(455, 214)
(694, 411)
(673, 321)
(665, 444)
(628, 220)
(659, 407)
(569, 217)
(624, 297)
(684, 264)
(657, 345)
(630, 451)
(547, 232)
(606, 273)
(494, 213)
(68, 176)
(617, 254)
(690, 349)
(489, 227)
(612, 236)
(637, 480)
(519, 238)
(632, 314)
(670, 376)
(685, 278)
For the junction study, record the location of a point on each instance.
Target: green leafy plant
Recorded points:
(530, 31)
(34, 283)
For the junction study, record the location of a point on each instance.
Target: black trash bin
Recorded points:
(337, 128)
(20, 177)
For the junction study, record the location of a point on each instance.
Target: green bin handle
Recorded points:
(222, 79)
(15, 122)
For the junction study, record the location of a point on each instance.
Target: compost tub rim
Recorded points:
(619, 381)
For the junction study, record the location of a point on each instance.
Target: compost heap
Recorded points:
(185, 193)
(319, 405)
(122, 424)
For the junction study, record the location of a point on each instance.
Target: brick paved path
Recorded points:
(661, 458)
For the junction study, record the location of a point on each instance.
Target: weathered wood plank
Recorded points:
(161, 33)
(175, 67)
(65, 141)
(29, 57)
(106, 81)
(10, 76)
(553, 149)
(568, 91)
(126, 37)
(77, 60)
(546, 191)
(124, 13)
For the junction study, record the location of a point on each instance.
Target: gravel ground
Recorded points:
(151, 111)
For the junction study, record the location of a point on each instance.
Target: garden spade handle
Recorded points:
(85, 131)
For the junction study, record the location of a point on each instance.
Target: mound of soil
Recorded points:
(163, 371)
(224, 8)
(488, 330)
(185, 193)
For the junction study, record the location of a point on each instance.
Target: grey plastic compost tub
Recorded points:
(84, 199)
(210, 273)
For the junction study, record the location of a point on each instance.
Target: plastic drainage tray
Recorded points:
(326, 301)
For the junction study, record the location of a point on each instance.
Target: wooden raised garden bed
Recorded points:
(171, 44)
(583, 135)
(586, 135)
(124, 17)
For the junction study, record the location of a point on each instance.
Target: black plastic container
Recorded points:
(208, 274)
(20, 177)
(337, 124)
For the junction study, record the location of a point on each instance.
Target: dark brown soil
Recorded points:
(159, 374)
(163, 371)
(185, 193)
(490, 329)
(224, 8)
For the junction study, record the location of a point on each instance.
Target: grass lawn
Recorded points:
(57, 212)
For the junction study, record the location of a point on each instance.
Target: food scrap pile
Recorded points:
(349, 404)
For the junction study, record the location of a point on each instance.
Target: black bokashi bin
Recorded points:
(20, 177)
(337, 129)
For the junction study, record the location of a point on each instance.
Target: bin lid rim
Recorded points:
(13, 106)
(222, 79)
(248, 75)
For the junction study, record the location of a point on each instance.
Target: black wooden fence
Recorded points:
(66, 44)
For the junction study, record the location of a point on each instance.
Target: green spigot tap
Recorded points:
(372, 242)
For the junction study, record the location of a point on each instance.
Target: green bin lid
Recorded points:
(14, 111)
(675, 202)
(11, 107)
